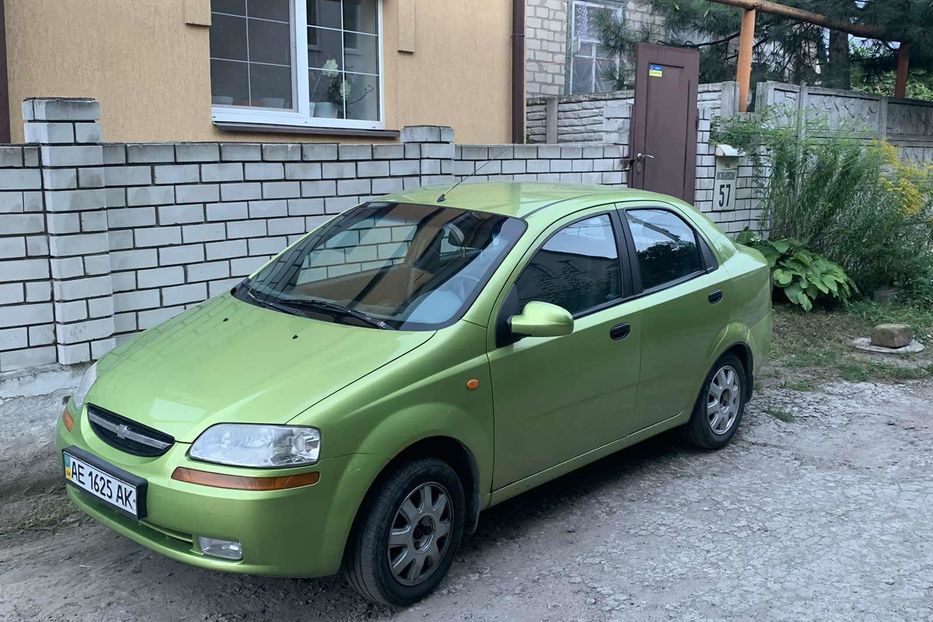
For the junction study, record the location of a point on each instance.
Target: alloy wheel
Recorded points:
(420, 533)
(723, 399)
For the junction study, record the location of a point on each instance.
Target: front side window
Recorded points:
(591, 64)
(577, 268)
(665, 245)
(388, 265)
(297, 62)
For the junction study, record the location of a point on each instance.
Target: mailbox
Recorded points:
(726, 177)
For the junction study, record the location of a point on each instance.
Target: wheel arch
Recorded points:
(458, 456)
(744, 352)
(446, 448)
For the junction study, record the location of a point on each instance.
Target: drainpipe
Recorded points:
(518, 71)
(4, 83)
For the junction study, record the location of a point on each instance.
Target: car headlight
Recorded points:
(84, 387)
(254, 445)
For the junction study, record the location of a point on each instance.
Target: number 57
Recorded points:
(725, 192)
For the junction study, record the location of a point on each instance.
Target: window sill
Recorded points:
(277, 128)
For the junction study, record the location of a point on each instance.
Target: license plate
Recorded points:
(115, 487)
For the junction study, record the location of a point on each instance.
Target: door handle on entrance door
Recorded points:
(620, 331)
(641, 156)
(715, 296)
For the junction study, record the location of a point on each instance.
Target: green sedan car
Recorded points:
(359, 400)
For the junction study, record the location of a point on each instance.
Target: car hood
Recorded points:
(229, 361)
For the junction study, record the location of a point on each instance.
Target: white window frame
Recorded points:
(619, 10)
(301, 115)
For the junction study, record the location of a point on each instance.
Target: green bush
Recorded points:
(803, 277)
(841, 196)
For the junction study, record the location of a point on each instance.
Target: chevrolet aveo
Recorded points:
(357, 401)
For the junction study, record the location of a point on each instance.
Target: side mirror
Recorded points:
(541, 319)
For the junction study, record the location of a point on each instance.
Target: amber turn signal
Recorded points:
(68, 420)
(240, 482)
(473, 384)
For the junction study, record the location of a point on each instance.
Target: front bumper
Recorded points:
(297, 532)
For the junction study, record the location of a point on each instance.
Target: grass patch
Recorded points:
(819, 342)
(919, 316)
(805, 385)
(36, 512)
(780, 413)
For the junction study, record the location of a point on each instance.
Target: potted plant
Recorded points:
(337, 92)
(326, 109)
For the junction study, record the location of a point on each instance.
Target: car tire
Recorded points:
(406, 508)
(720, 405)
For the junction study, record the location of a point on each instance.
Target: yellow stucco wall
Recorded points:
(150, 70)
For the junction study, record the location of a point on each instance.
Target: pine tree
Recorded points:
(784, 49)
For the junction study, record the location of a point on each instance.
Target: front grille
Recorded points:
(126, 435)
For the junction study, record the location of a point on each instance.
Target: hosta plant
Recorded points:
(803, 276)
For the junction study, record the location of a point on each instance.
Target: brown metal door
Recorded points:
(663, 141)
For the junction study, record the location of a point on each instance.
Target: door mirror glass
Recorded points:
(541, 319)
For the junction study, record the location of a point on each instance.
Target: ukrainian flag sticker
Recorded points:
(655, 71)
(67, 466)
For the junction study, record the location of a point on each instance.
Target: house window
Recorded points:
(590, 61)
(297, 62)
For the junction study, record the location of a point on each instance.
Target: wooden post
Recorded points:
(869, 31)
(903, 64)
(743, 71)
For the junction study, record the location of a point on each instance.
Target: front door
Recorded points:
(663, 137)
(559, 397)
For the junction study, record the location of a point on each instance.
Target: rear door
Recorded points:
(559, 397)
(686, 299)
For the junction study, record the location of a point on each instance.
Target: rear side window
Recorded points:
(665, 245)
(577, 268)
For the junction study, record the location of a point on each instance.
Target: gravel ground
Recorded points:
(821, 509)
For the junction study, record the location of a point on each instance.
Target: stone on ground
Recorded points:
(891, 335)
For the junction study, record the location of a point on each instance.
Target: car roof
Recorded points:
(523, 199)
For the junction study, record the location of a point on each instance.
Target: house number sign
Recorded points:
(727, 174)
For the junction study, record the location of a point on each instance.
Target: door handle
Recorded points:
(620, 331)
(640, 159)
(715, 296)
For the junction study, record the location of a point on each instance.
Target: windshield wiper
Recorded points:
(272, 304)
(294, 306)
(333, 307)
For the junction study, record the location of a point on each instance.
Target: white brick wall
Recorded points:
(26, 309)
(638, 16)
(547, 32)
(594, 164)
(545, 46)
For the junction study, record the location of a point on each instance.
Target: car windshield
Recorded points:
(387, 265)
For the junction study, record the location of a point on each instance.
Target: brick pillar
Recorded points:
(434, 145)
(71, 157)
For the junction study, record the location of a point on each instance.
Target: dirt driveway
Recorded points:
(821, 509)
